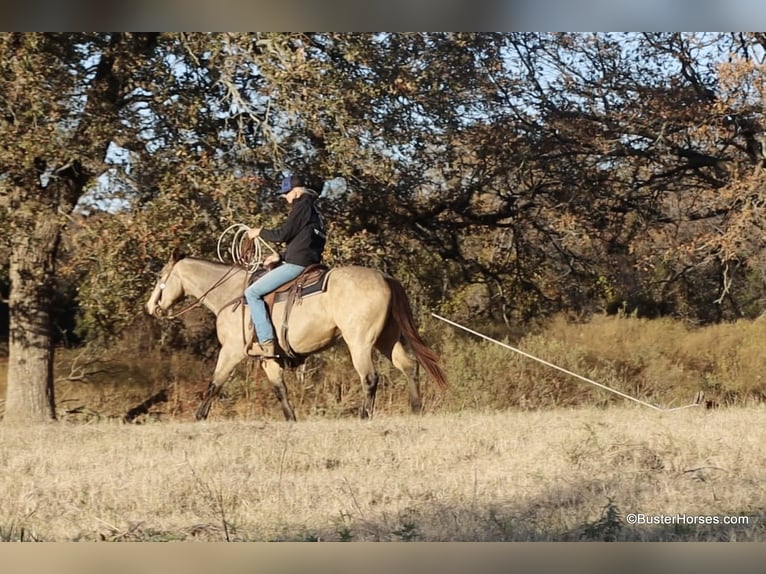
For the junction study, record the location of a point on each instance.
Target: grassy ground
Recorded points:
(514, 450)
(564, 474)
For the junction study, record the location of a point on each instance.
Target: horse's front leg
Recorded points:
(228, 357)
(207, 400)
(275, 373)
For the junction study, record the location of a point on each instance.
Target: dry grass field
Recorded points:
(546, 475)
(512, 451)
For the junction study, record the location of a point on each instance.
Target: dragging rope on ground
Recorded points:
(696, 403)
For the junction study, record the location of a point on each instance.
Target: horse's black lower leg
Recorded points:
(370, 389)
(281, 393)
(275, 373)
(207, 400)
(416, 405)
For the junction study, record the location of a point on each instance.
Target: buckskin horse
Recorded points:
(365, 307)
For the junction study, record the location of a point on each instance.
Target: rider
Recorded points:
(304, 234)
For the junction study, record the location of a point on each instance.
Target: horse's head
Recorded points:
(168, 288)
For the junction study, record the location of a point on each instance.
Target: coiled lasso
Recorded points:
(242, 250)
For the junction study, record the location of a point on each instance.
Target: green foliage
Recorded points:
(488, 192)
(607, 527)
(407, 530)
(343, 529)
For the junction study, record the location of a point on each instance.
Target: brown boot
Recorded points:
(267, 350)
(264, 350)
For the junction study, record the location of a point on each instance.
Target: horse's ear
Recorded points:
(178, 254)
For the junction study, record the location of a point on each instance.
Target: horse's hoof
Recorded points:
(202, 413)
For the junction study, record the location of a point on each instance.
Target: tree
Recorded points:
(60, 103)
(506, 175)
(550, 171)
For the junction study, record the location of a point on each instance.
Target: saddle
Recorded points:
(311, 281)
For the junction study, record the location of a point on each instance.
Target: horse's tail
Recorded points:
(401, 312)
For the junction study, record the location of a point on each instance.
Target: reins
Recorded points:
(245, 254)
(201, 298)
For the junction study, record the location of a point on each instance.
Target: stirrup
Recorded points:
(257, 351)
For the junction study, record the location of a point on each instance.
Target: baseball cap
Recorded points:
(290, 182)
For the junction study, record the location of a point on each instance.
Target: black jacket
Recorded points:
(303, 231)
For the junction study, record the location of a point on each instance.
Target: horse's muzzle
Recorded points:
(153, 309)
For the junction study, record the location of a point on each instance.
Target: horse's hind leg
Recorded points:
(390, 345)
(370, 383)
(362, 359)
(409, 366)
(275, 374)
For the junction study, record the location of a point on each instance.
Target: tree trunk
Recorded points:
(29, 395)
(44, 183)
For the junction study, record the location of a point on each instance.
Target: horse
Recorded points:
(365, 307)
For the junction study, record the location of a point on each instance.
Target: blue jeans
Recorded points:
(263, 286)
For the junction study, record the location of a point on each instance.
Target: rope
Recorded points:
(201, 299)
(651, 406)
(242, 251)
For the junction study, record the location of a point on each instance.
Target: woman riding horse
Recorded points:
(304, 234)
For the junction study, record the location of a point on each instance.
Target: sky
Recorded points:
(387, 15)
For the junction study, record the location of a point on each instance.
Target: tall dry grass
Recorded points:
(564, 474)
(660, 361)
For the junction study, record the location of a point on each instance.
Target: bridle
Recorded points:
(194, 304)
